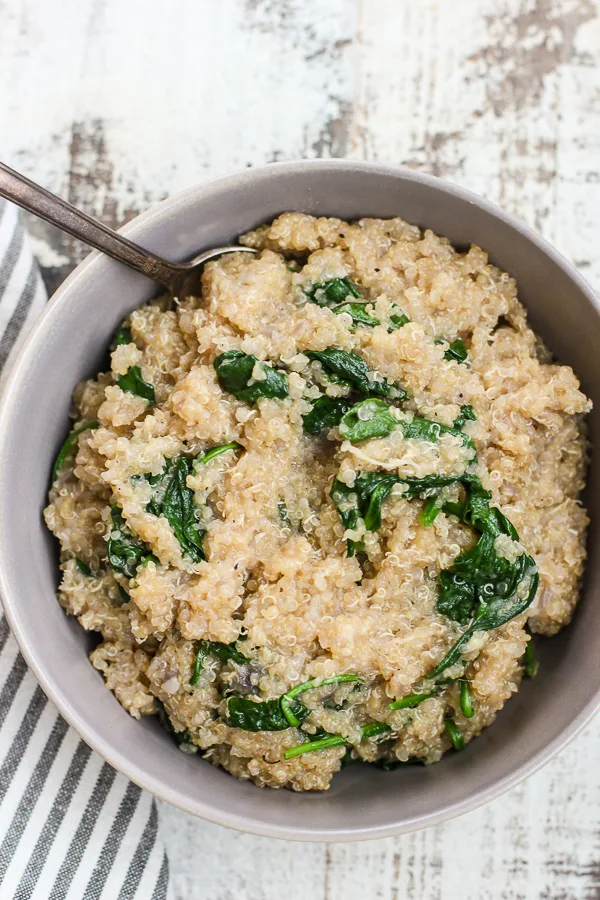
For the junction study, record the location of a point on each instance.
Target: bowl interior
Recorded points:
(70, 343)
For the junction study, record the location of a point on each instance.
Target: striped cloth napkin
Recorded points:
(71, 828)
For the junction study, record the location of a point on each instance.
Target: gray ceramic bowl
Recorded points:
(69, 343)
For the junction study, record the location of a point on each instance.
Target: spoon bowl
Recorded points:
(178, 278)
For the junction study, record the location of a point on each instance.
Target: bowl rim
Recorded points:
(92, 735)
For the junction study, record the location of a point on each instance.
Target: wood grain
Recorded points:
(116, 105)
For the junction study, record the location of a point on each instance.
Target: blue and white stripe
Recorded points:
(71, 828)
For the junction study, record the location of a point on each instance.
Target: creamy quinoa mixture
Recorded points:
(315, 514)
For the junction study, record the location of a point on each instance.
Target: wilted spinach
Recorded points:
(357, 312)
(324, 741)
(263, 715)
(213, 452)
(326, 412)
(466, 414)
(530, 662)
(328, 293)
(234, 372)
(481, 587)
(367, 420)
(466, 699)
(224, 652)
(353, 370)
(276, 715)
(359, 315)
(122, 336)
(83, 568)
(126, 553)
(454, 733)
(372, 419)
(68, 446)
(174, 500)
(133, 382)
(456, 351)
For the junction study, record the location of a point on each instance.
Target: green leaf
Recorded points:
(326, 412)
(430, 512)
(353, 369)
(224, 652)
(122, 336)
(265, 715)
(369, 419)
(466, 699)
(213, 452)
(83, 568)
(287, 704)
(174, 500)
(411, 701)
(428, 430)
(456, 351)
(398, 320)
(68, 446)
(328, 293)
(133, 382)
(466, 414)
(234, 372)
(357, 312)
(530, 662)
(325, 741)
(454, 733)
(126, 553)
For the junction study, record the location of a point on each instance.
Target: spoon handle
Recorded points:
(42, 203)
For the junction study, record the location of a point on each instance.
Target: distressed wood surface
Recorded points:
(117, 104)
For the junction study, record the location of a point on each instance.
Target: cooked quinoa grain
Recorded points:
(350, 462)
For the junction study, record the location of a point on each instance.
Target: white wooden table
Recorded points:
(117, 103)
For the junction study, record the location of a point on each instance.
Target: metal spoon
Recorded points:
(177, 277)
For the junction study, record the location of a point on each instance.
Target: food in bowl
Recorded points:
(316, 513)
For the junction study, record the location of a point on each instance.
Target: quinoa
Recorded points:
(241, 577)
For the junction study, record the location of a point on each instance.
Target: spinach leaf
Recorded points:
(265, 715)
(456, 351)
(224, 652)
(357, 312)
(454, 733)
(411, 701)
(126, 553)
(398, 320)
(466, 414)
(234, 372)
(497, 612)
(133, 382)
(364, 499)
(324, 741)
(353, 369)
(326, 412)
(430, 512)
(360, 316)
(479, 573)
(428, 430)
(68, 446)
(213, 452)
(288, 699)
(174, 500)
(530, 662)
(367, 420)
(122, 336)
(83, 568)
(326, 293)
(466, 699)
